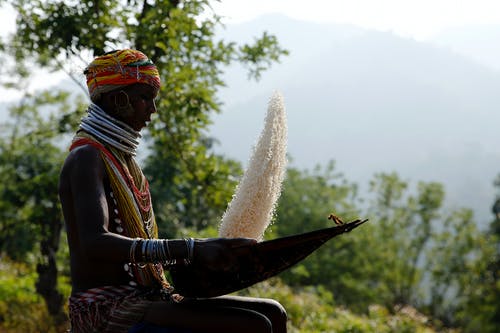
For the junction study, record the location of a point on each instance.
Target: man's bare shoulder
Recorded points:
(86, 155)
(81, 162)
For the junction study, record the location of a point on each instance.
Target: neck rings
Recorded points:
(110, 130)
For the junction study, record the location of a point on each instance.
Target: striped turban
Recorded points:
(118, 69)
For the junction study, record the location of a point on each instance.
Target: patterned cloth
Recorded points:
(110, 309)
(118, 69)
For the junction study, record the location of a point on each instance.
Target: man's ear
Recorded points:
(121, 98)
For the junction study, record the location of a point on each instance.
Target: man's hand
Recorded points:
(221, 254)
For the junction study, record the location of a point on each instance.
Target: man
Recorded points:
(117, 260)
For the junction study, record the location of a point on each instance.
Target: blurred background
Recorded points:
(392, 108)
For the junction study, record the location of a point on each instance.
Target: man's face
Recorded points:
(142, 99)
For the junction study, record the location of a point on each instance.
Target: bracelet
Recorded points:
(190, 250)
(158, 251)
(168, 258)
(144, 246)
(149, 252)
(132, 249)
(162, 253)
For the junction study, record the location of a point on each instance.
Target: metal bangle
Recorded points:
(132, 250)
(170, 260)
(189, 248)
(155, 256)
(161, 248)
(144, 246)
(149, 250)
(158, 251)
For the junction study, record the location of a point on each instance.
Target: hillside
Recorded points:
(373, 102)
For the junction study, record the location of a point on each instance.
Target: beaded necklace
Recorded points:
(135, 217)
(122, 137)
(129, 188)
(120, 165)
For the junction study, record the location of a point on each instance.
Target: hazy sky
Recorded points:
(419, 19)
(416, 18)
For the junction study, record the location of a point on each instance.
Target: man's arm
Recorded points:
(86, 174)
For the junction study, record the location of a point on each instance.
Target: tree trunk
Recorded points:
(46, 284)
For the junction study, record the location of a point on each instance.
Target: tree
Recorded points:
(182, 43)
(30, 159)
(377, 263)
(427, 256)
(495, 209)
(454, 266)
(481, 311)
(189, 183)
(412, 252)
(404, 225)
(308, 198)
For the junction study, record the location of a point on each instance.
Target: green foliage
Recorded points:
(412, 253)
(451, 263)
(30, 161)
(48, 29)
(481, 310)
(306, 202)
(420, 254)
(312, 310)
(29, 167)
(189, 183)
(21, 308)
(403, 228)
(308, 197)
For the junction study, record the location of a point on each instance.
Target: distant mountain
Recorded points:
(477, 42)
(374, 102)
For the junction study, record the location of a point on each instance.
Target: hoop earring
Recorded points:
(123, 109)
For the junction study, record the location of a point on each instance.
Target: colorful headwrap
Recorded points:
(117, 69)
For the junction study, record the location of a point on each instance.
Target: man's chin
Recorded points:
(139, 127)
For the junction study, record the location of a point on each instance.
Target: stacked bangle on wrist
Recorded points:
(158, 251)
(132, 249)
